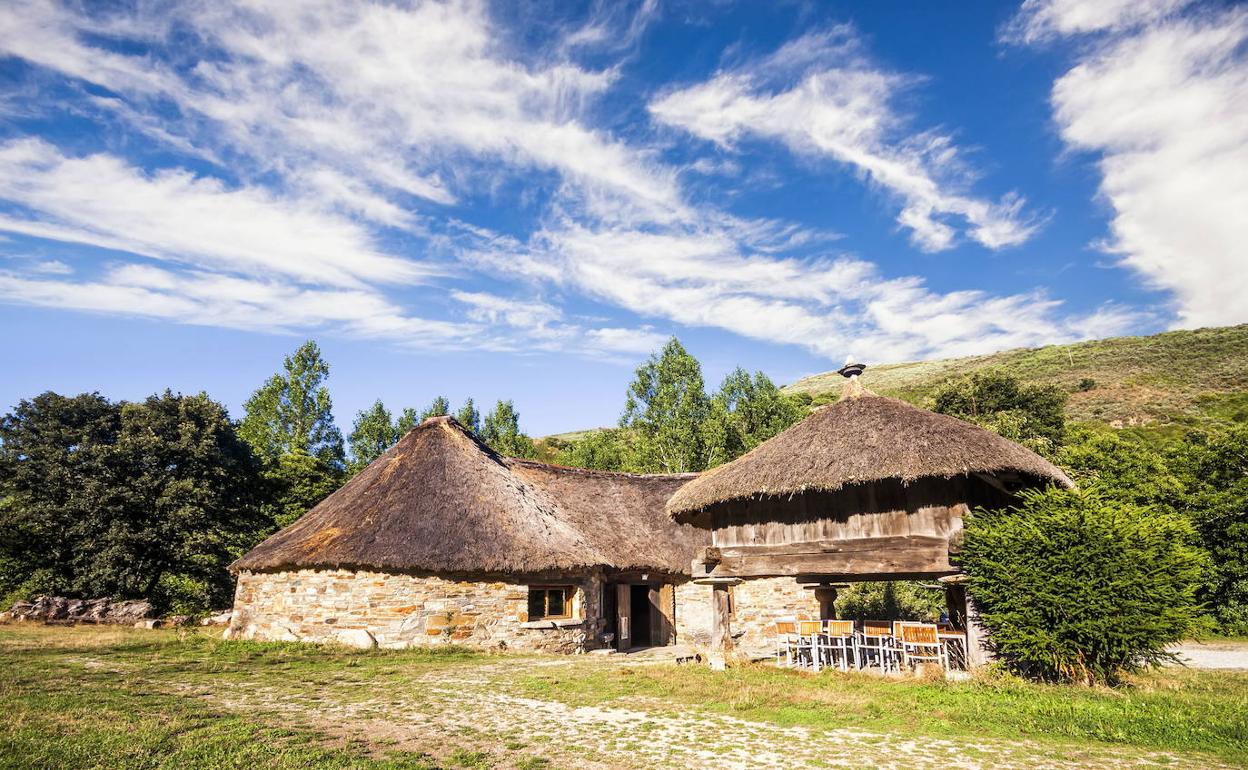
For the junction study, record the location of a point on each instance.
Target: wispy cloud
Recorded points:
(333, 155)
(1162, 99)
(821, 96)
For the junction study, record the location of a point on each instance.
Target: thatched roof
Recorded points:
(441, 501)
(861, 438)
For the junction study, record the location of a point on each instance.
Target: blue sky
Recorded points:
(522, 200)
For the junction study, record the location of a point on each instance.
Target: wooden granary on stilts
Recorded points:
(868, 488)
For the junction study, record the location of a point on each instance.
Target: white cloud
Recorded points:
(211, 299)
(825, 305)
(348, 128)
(1040, 20)
(399, 98)
(174, 215)
(1163, 101)
(819, 96)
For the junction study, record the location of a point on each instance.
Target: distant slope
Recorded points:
(1175, 378)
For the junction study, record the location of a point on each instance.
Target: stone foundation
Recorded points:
(397, 610)
(757, 604)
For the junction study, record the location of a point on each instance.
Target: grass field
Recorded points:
(1181, 377)
(107, 698)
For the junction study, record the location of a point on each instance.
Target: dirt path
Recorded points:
(1218, 655)
(479, 708)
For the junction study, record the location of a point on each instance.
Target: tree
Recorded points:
(1214, 467)
(150, 499)
(469, 417)
(1076, 587)
(294, 484)
(408, 420)
(745, 412)
(604, 450)
(374, 432)
(438, 408)
(289, 423)
(1032, 415)
(501, 432)
(666, 406)
(293, 413)
(56, 466)
(187, 491)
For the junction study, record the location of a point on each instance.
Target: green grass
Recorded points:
(60, 713)
(1184, 377)
(105, 698)
(1169, 710)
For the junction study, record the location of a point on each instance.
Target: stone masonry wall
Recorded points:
(399, 610)
(757, 605)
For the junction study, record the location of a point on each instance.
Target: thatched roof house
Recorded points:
(441, 507)
(868, 488)
(442, 501)
(860, 439)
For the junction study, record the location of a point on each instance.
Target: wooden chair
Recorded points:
(810, 643)
(920, 643)
(786, 643)
(839, 643)
(876, 641)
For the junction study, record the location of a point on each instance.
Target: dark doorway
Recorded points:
(640, 609)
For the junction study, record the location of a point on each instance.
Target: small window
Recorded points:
(550, 602)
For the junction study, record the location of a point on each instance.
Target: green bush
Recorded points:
(1073, 587)
(896, 600)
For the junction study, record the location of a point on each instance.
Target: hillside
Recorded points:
(1175, 378)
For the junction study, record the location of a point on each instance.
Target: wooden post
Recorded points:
(721, 627)
(963, 614)
(826, 596)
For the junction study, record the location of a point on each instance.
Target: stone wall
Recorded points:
(397, 610)
(757, 605)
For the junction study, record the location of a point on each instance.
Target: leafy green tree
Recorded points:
(189, 489)
(125, 500)
(1032, 415)
(898, 599)
(374, 432)
(293, 413)
(745, 412)
(1076, 587)
(294, 484)
(438, 408)
(604, 450)
(408, 420)
(1215, 469)
(469, 417)
(289, 423)
(667, 407)
(56, 471)
(501, 432)
(1124, 467)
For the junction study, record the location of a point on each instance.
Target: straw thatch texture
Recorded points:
(441, 501)
(622, 514)
(862, 438)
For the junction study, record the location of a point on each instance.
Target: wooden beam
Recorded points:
(879, 558)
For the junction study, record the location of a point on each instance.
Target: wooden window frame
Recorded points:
(568, 593)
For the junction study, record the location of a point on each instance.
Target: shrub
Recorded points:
(902, 600)
(1072, 587)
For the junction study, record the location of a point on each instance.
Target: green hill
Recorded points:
(1172, 379)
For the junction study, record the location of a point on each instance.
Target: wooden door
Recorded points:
(662, 616)
(623, 624)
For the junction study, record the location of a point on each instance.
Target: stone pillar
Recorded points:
(721, 626)
(964, 614)
(826, 596)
